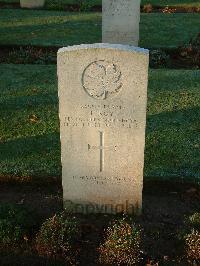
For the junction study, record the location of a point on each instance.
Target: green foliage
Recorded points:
(191, 223)
(122, 244)
(158, 58)
(15, 225)
(194, 221)
(191, 51)
(85, 5)
(57, 237)
(30, 55)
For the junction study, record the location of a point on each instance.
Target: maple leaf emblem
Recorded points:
(102, 79)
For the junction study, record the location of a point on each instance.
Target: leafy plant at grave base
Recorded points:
(192, 246)
(168, 10)
(30, 55)
(148, 8)
(57, 237)
(84, 6)
(191, 223)
(191, 51)
(21, 56)
(194, 220)
(122, 244)
(54, 5)
(15, 225)
(158, 58)
(189, 236)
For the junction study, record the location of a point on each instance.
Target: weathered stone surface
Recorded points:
(32, 3)
(102, 109)
(120, 21)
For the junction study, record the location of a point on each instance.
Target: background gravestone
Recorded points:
(32, 3)
(102, 109)
(120, 21)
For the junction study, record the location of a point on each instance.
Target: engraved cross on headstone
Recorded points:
(101, 147)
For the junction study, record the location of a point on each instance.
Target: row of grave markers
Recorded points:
(102, 110)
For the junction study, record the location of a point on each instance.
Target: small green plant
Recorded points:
(122, 244)
(194, 221)
(57, 237)
(158, 58)
(84, 6)
(190, 52)
(15, 225)
(31, 55)
(191, 222)
(20, 56)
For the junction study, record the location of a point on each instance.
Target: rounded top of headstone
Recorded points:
(121, 47)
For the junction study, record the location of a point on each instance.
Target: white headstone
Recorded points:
(32, 3)
(120, 21)
(102, 109)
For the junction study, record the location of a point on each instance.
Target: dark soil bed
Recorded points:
(98, 8)
(164, 207)
(169, 9)
(179, 58)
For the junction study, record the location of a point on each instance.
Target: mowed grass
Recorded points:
(180, 3)
(48, 28)
(29, 123)
(58, 28)
(62, 3)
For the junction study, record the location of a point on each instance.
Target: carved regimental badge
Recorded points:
(102, 79)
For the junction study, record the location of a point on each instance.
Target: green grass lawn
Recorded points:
(61, 3)
(58, 28)
(182, 3)
(29, 125)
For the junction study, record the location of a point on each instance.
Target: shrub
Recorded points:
(191, 222)
(158, 58)
(15, 225)
(31, 55)
(189, 235)
(122, 244)
(191, 51)
(147, 8)
(194, 221)
(57, 237)
(193, 246)
(192, 240)
(84, 6)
